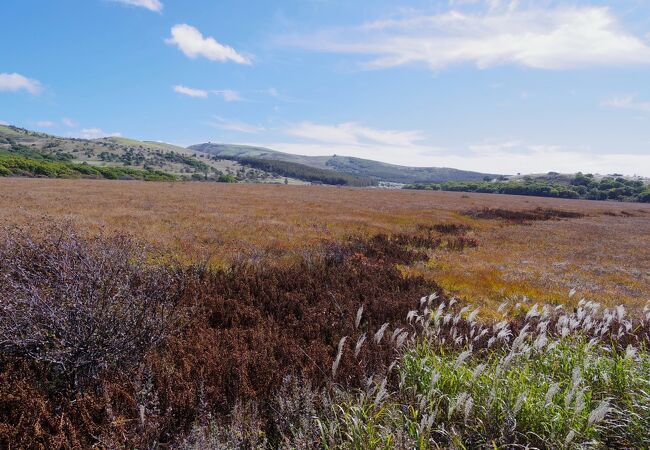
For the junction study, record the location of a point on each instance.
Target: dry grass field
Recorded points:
(604, 256)
(205, 315)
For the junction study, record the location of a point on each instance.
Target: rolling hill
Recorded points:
(345, 164)
(33, 153)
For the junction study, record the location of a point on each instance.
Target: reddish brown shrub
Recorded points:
(263, 323)
(257, 324)
(537, 214)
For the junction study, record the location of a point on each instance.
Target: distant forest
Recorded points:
(579, 187)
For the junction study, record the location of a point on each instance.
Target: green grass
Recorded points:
(554, 390)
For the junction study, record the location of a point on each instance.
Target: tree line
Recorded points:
(581, 186)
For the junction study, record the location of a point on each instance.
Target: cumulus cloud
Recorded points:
(14, 82)
(498, 34)
(94, 133)
(193, 44)
(151, 5)
(235, 125)
(629, 102)
(190, 92)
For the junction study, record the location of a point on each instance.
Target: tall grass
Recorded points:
(545, 379)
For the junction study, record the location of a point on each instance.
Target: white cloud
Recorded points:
(192, 43)
(521, 157)
(190, 92)
(94, 133)
(628, 102)
(14, 82)
(502, 33)
(69, 122)
(45, 124)
(274, 93)
(354, 134)
(151, 5)
(229, 95)
(235, 125)
(2, 122)
(358, 140)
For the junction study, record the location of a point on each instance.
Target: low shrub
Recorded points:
(93, 354)
(537, 214)
(79, 307)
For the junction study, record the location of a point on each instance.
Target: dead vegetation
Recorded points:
(521, 217)
(250, 307)
(82, 324)
(605, 254)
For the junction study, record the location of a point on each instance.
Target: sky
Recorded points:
(498, 86)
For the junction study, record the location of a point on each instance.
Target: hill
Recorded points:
(346, 164)
(128, 155)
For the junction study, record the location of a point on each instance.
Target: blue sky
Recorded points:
(491, 85)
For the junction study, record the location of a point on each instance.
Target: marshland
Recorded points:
(324, 225)
(185, 315)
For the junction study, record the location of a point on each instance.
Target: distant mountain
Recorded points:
(345, 164)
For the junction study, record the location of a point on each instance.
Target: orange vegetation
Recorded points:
(605, 255)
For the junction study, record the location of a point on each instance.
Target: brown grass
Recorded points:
(605, 255)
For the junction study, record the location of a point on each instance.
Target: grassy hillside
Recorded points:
(126, 154)
(345, 164)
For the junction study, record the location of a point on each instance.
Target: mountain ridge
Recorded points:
(346, 164)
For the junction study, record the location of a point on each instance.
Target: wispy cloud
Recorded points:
(2, 122)
(45, 124)
(193, 44)
(190, 92)
(502, 33)
(94, 133)
(355, 139)
(235, 125)
(508, 157)
(629, 102)
(14, 82)
(69, 122)
(227, 94)
(352, 133)
(518, 156)
(151, 5)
